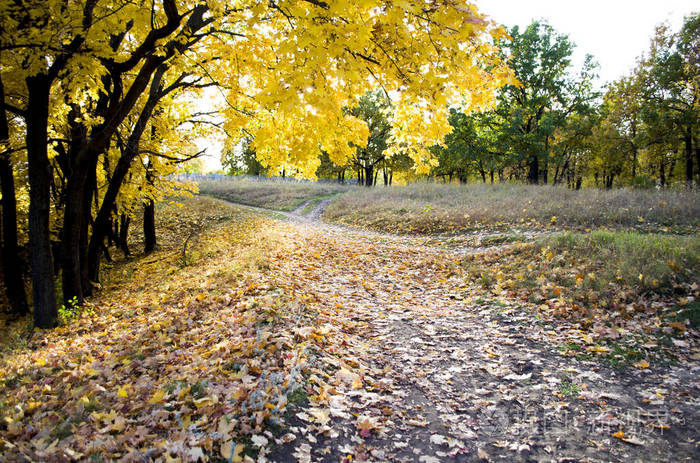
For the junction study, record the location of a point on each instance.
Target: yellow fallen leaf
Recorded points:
(642, 364)
(203, 402)
(678, 325)
(619, 434)
(122, 392)
(157, 397)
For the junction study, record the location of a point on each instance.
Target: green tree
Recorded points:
(373, 108)
(242, 160)
(547, 95)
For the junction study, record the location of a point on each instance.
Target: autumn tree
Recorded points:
(85, 75)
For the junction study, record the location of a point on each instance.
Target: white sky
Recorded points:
(615, 32)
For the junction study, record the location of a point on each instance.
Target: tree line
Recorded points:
(557, 128)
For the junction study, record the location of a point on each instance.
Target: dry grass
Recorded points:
(279, 195)
(434, 208)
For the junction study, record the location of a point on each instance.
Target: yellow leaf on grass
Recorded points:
(122, 392)
(619, 434)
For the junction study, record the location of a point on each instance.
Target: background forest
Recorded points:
(556, 126)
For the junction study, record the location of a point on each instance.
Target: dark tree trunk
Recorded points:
(369, 175)
(12, 266)
(579, 181)
(391, 177)
(88, 192)
(688, 141)
(71, 234)
(149, 226)
(545, 172)
(376, 174)
(491, 174)
(39, 172)
(124, 222)
(533, 174)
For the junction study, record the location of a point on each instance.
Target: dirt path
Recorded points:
(407, 366)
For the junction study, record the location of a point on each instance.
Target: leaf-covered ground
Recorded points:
(294, 340)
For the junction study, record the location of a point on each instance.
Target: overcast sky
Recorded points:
(615, 32)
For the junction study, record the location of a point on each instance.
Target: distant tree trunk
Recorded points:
(376, 174)
(545, 172)
(533, 175)
(579, 181)
(149, 226)
(688, 141)
(386, 176)
(391, 177)
(369, 175)
(662, 173)
(39, 174)
(12, 266)
(491, 172)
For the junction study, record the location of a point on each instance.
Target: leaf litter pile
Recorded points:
(284, 341)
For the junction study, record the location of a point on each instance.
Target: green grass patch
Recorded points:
(569, 388)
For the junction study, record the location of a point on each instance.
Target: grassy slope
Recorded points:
(279, 195)
(435, 208)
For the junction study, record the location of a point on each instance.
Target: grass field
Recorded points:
(278, 195)
(435, 208)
